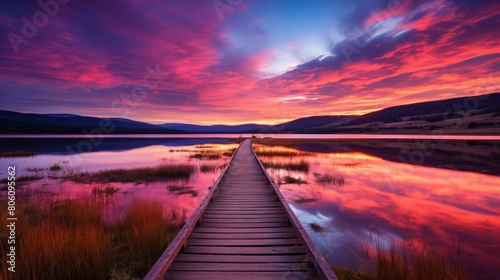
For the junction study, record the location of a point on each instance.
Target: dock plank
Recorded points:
(241, 259)
(194, 266)
(228, 275)
(244, 242)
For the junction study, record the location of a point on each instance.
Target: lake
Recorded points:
(354, 194)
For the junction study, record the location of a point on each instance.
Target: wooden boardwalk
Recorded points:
(242, 230)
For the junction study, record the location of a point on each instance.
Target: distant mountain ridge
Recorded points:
(213, 128)
(21, 123)
(489, 102)
(477, 114)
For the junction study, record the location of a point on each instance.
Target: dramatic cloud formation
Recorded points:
(242, 61)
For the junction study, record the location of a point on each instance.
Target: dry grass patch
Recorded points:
(17, 154)
(301, 165)
(70, 240)
(162, 172)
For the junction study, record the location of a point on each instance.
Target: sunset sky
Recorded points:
(241, 61)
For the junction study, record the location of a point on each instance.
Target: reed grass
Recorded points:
(292, 180)
(266, 151)
(162, 172)
(180, 190)
(402, 261)
(55, 167)
(104, 190)
(305, 200)
(301, 165)
(329, 179)
(34, 169)
(209, 156)
(316, 227)
(17, 154)
(209, 168)
(22, 179)
(70, 240)
(352, 274)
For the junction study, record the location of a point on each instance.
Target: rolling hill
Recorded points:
(20, 123)
(464, 115)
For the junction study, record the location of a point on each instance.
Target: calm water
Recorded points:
(438, 135)
(440, 195)
(113, 154)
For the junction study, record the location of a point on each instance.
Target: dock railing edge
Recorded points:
(161, 266)
(318, 260)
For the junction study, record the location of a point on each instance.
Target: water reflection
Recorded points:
(357, 196)
(348, 194)
(46, 182)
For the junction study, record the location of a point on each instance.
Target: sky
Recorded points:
(242, 61)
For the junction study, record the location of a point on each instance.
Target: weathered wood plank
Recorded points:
(215, 275)
(246, 225)
(205, 229)
(228, 212)
(253, 220)
(267, 250)
(243, 199)
(264, 235)
(193, 266)
(241, 259)
(243, 216)
(244, 242)
(248, 203)
(247, 196)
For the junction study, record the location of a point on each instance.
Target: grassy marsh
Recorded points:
(163, 172)
(267, 151)
(403, 261)
(209, 156)
(104, 190)
(70, 240)
(211, 168)
(301, 165)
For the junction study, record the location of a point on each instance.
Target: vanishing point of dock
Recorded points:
(243, 229)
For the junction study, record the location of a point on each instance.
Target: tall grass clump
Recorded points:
(17, 154)
(316, 227)
(329, 179)
(229, 153)
(301, 165)
(402, 261)
(67, 241)
(292, 180)
(210, 168)
(209, 156)
(352, 274)
(55, 167)
(266, 151)
(106, 190)
(180, 190)
(145, 233)
(71, 240)
(162, 172)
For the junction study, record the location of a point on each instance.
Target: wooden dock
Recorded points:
(243, 229)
